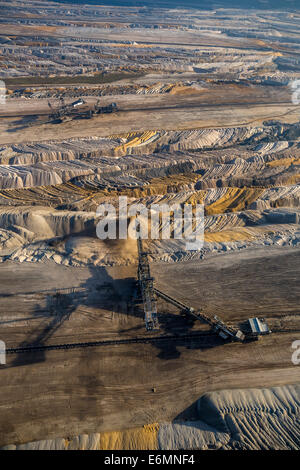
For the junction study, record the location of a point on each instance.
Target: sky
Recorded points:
(205, 4)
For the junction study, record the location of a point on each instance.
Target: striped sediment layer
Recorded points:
(151, 154)
(232, 419)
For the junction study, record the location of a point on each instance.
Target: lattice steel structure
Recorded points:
(147, 289)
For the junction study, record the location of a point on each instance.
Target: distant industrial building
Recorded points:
(258, 327)
(77, 103)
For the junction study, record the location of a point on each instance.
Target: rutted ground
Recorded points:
(252, 419)
(205, 115)
(249, 190)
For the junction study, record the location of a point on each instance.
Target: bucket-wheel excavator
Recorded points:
(149, 294)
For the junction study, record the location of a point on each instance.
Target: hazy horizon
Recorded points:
(202, 4)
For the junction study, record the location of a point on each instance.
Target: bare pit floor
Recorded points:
(47, 394)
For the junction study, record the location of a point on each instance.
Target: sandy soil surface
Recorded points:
(209, 117)
(226, 94)
(92, 389)
(185, 117)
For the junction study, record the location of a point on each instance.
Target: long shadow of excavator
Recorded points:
(60, 304)
(101, 291)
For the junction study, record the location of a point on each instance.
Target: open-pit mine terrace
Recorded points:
(204, 115)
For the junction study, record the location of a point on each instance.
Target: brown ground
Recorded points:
(49, 394)
(110, 387)
(186, 117)
(223, 106)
